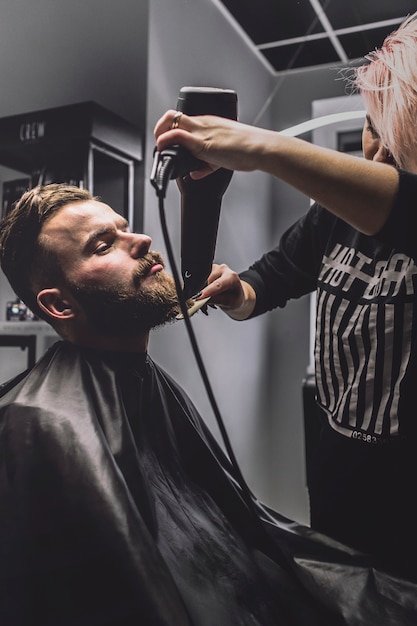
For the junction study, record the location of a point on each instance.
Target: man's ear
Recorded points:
(52, 302)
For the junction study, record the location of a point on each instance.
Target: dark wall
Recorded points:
(288, 333)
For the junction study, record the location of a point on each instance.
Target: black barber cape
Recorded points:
(118, 508)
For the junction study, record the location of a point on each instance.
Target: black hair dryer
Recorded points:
(201, 199)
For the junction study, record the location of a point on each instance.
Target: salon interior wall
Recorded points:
(287, 330)
(192, 43)
(256, 367)
(55, 53)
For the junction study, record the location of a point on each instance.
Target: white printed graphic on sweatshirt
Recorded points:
(363, 339)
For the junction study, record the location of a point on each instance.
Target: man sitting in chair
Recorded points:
(117, 507)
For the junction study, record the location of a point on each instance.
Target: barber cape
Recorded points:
(119, 508)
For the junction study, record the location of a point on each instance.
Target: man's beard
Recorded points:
(121, 311)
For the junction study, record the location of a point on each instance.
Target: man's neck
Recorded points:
(137, 343)
(84, 335)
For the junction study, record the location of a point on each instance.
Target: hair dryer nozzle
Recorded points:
(208, 101)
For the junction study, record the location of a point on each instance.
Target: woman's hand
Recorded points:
(217, 141)
(225, 289)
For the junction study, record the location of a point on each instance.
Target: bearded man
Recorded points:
(117, 506)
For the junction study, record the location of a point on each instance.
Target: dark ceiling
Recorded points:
(291, 34)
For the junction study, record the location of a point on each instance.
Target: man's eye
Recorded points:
(103, 248)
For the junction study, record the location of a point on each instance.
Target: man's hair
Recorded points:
(28, 265)
(388, 85)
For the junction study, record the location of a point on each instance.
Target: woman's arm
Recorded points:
(358, 191)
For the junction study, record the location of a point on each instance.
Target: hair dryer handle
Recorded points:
(200, 213)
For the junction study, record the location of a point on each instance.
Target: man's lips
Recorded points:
(148, 266)
(155, 268)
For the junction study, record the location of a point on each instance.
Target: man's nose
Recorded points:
(139, 245)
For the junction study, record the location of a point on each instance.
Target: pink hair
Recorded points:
(388, 85)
